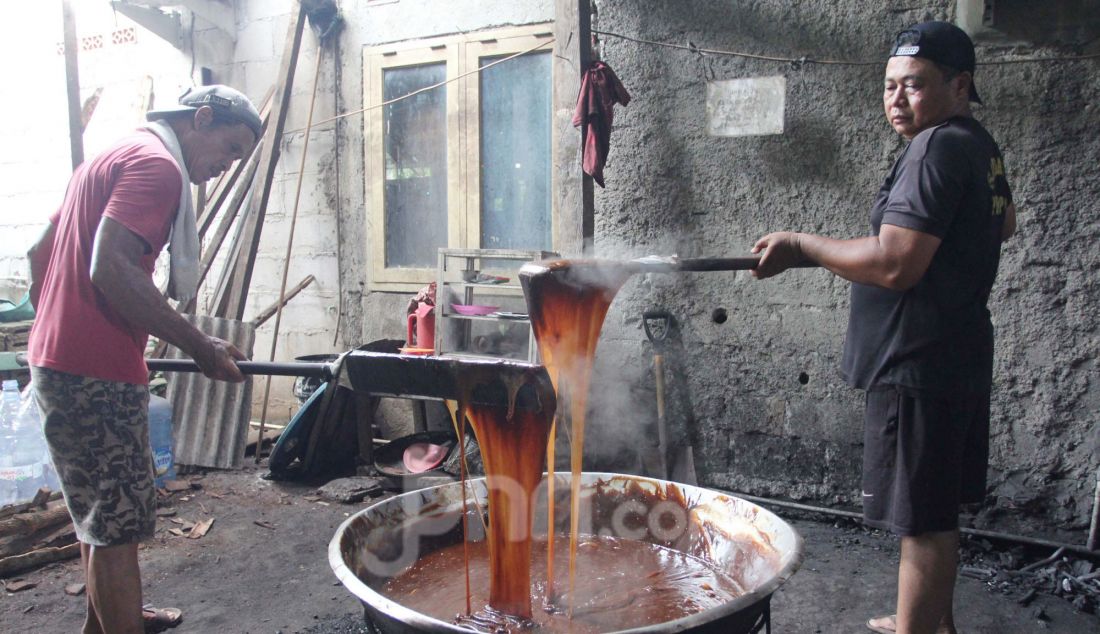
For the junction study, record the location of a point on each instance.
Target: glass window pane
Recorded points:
(415, 145)
(515, 153)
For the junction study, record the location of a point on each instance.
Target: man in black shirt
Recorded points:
(920, 340)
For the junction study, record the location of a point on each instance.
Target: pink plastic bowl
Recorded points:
(474, 309)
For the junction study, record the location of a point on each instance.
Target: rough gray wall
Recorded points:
(773, 416)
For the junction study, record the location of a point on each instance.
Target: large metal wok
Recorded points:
(738, 537)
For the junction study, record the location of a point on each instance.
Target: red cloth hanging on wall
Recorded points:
(600, 91)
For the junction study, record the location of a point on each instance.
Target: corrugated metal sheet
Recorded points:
(210, 418)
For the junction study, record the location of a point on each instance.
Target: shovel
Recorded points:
(657, 325)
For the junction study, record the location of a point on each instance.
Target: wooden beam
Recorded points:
(27, 523)
(201, 197)
(574, 217)
(204, 216)
(43, 496)
(72, 84)
(225, 278)
(11, 565)
(228, 218)
(270, 311)
(231, 305)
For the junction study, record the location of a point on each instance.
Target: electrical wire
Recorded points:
(1025, 60)
(766, 58)
(426, 88)
(799, 61)
(794, 61)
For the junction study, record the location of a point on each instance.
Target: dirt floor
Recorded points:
(263, 567)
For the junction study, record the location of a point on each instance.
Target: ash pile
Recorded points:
(1021, 573)
(1074, 579)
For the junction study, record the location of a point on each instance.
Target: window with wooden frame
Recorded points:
(466, 164)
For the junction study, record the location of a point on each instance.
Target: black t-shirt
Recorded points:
(936, 336)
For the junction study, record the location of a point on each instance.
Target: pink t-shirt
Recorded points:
(137, 184)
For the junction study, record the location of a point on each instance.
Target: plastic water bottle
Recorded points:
(33, 447)
(160, 439)
(24, 459)
(9, 409)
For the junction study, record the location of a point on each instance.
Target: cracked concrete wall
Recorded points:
(773, 416)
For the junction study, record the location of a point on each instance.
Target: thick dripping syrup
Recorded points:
(625, 583)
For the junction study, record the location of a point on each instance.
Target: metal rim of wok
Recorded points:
(397, 611)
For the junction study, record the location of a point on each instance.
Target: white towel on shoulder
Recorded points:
(183, 248)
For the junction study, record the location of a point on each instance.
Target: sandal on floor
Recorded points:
(160, 619)
(891, 625)
(890, 628)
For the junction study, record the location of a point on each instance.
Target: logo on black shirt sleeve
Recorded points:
(996, 177)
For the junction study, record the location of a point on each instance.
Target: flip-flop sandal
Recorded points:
(884, 630)
(893, 627)
(160, 619)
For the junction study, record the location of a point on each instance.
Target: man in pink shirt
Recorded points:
(96, 305)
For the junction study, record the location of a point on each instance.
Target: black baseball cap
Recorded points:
(941, 42)
(224, 100)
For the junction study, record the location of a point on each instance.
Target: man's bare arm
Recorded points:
(39, 257)
(116, 271)
(895, 259)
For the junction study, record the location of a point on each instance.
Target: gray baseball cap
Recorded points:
(226, 101)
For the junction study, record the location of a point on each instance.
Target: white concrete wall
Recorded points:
(34, 156)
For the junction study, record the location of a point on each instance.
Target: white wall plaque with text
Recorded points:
(746, 107)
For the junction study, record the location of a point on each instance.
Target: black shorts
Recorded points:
(923, 456)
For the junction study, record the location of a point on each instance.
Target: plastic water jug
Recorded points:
(160, 439)
(9, 408)
(24, 459)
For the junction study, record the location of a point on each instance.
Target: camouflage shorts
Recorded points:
(98, 435)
